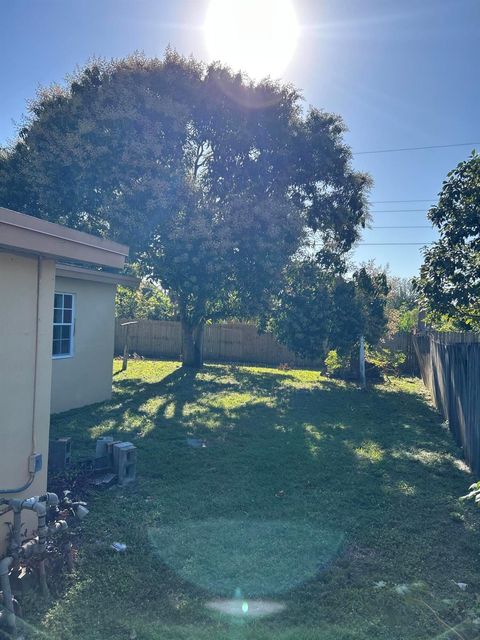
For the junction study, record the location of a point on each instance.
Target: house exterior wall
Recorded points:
(86, 376)
(25, 374)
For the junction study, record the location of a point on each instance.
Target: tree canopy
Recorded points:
(210, 178)
(402, 305)
(316, 312)
(449, 280)
(147, 302)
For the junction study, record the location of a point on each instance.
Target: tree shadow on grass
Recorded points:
(376, 467)
(328, 429)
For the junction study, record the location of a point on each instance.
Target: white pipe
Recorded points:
(39, 505)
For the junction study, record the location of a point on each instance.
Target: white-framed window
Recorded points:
(63, 325)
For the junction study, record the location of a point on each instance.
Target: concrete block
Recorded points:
(125, 462)
(59, 454)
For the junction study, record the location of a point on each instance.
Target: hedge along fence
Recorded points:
(450, 369)
(229, 342)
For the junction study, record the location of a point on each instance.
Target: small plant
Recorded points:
(389, 362)
(335, 363)
(473, 493)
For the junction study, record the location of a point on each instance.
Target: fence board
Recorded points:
(450, 368)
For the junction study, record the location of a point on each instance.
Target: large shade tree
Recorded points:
(449, 280)
(210, 178)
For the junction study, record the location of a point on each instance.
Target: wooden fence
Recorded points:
(450, 369)
(230, 342)
(233, 342)
(403, 341)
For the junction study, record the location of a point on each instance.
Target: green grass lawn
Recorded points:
(338, 505)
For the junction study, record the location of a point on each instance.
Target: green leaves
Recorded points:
(473, 493)
(147, 302)
(449, 280)
(316, 312)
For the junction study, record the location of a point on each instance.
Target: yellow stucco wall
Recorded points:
(86, 377)
(24, 397)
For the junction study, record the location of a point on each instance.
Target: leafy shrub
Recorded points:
(389, 362)
(336, 364)
(473, 493)
(408, 319)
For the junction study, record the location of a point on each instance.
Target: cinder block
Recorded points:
(101, 447)
(110, 448)
(125, 462)
(59, 454)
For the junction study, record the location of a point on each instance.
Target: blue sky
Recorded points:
(401, 74)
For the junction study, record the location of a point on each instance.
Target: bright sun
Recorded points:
(255, 36)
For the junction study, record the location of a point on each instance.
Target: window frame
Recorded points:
(62, 356)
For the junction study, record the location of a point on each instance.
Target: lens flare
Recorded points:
(245, 609)
(248, 558)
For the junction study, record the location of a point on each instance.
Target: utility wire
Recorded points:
(395, 201)
(394, 244)
(399, 211)
(418, 226)
(433, 146)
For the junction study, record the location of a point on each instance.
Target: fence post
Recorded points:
(125, 346)
(363, 380)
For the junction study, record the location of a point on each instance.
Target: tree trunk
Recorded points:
(192, 345)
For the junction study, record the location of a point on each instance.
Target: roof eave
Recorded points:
(104, 277)
(20, 232)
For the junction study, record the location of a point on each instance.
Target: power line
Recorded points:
(394, 201)
(394, 244)
(433, 146)
(418, 226)
(399, 211)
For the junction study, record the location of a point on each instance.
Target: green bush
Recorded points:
(336, 364)
(387, 361)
